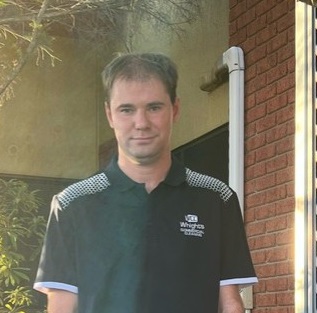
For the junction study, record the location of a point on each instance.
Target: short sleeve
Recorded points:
(57, 267)
(236, 263)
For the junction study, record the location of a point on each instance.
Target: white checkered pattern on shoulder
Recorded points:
(89, 186)
(195, 179)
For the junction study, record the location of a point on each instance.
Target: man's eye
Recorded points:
(126, 110)
(155, 107)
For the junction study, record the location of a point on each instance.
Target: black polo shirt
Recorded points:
(126, 251)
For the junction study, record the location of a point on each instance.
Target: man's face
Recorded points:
(142, 115)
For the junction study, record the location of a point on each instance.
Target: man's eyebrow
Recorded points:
(156, 103)
(125, 105)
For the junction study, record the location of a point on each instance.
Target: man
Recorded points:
(146, 235)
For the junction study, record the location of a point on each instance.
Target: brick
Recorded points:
(257, 83)
(276, 224)
(249, 159)
(251, 3)
(265, 35)
(259, 287)
(291, 64)
(277, 103)
(286, 205)
(291, 127)
(265, 152)
(239, 37)
(246, 18)
(258, 257)
(249, 188)
(263, 66)
(266, 270)
(284, 268)
(269, 45)
(266, 300)
(248, 45)
(232, 28)
(285, 22)
(266, 123)
(249, 103)
(255, 171)
(276, 255)
(272, 59)
(285, 114)
(287, 144)
(277, 310)
(291, 282)
(277, 133)
(264, 6)
(290, 189)
(266, 211)
(275, 194)
(250, 73)
(285, 83)
(256, 199)
(232, 3)
(277, 284)
(257, 228)
(291, 6)
(285, 237)
(275, 164)
(290, 220)
(255, 142)
(286, 298)
(291, 34)
(265, 182)
(237, 10)
(286, 52)
(249, 215)
(266, 93)
(284, 176)
(257, 54)
(277, 73)
(249, 130)
(277, 42)
(290, 158)
(277, 12)
(256, 26)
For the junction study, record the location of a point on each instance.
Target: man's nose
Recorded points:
(141, 119)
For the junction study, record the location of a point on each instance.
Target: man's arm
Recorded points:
(61, 301)
(230, 300)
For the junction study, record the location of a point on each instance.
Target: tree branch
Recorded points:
(30, 49)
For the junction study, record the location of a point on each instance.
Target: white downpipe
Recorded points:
(234, 61)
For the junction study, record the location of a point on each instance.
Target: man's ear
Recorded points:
(108, 113)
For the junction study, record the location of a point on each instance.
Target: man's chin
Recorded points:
(146, 158)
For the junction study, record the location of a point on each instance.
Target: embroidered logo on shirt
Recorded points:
(191, 226)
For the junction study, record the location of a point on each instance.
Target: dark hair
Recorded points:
(141, 66)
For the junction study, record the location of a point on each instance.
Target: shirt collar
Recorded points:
(175, 176)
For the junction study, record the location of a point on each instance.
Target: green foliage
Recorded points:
(21, 234)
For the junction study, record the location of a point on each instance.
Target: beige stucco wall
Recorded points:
(49, 128)
(55, 124)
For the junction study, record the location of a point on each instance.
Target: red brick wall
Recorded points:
(265, 30)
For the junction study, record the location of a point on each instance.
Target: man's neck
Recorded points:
(150, 174)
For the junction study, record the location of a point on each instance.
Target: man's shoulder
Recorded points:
(199, 180)
(88, 186)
